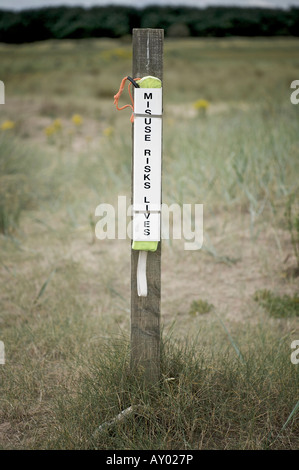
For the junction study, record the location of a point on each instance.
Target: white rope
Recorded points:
(120, 417)
(141, 274)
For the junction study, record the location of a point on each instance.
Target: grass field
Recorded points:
(229, 310)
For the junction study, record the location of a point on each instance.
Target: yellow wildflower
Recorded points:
(50, 130)
(122, 53)
(201, 104)
(117, 53)
(7, 125)
(57, 124)
(108, 131)
(77, 120)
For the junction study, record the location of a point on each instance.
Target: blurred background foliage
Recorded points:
(76, 22)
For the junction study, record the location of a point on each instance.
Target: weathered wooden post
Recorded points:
(145, 310)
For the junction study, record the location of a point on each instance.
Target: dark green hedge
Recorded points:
(74, 22)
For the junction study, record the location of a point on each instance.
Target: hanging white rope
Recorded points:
(141, 274)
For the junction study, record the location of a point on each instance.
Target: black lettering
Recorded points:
(147, 138)
(147, 129)
(146, 177)
(146, 120)
(147, 231)
(147, 96)
(147, 168)
(147, 152)
(147, 185)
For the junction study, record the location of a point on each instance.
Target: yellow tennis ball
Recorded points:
(149, 82)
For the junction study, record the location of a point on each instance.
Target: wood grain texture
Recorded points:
(145, 311)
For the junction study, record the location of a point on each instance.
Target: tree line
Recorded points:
(76, 22)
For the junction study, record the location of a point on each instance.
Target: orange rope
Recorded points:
(118, 94)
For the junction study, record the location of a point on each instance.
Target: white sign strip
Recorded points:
(148, 101)
(147, 149)
(146, 226)
(147, 164)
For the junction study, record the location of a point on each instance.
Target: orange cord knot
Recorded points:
(118, 94)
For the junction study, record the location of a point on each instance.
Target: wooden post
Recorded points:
(145, 311)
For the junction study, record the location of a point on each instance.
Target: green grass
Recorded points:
(203, 401)
(200, 307)
(17, 175)
(292, 221)
(278, 306)
(227, 379)
(206, 398)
